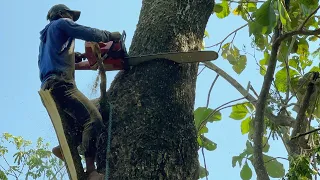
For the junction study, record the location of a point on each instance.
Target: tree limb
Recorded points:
(300, 124)
(306, 133)
(214, 81)
(258, 121)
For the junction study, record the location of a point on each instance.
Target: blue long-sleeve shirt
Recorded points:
(56, 51)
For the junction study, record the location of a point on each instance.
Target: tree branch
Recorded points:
(214, 81)
(306, 133)
(307, 19)
(260, 111)
(278, 120)
(227, 37)
(300, 126)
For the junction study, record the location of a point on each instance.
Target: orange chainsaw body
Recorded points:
(113, 54)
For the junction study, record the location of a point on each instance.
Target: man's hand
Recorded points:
(79, 57)
(115, 36)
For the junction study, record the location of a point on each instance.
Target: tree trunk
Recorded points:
(153, 132)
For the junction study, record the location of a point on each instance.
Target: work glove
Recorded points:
(115, 36)
(79, 57)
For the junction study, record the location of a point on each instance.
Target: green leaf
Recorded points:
(274, 168)
(265, 15)
(202, 113)
(249, 147)
(237, 10)
(239, 112)
(7, 136)
(265, 144)
(303, 47)
(238, 159)
(245, 125)
(208, 144)
(250, 106)
(3, 150)
(202, 172)
(206, 34)
(281, 78)
(315, 69)
(260, 41)
(241, 64)
(246, 172)
(3, 175)
(225, 9)
(217, 8)
(232, 60)
(313, 38)
(284, 16)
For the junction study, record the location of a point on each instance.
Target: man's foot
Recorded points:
(57, 152)
(94, 175)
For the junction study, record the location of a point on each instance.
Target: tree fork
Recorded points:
(153, 132)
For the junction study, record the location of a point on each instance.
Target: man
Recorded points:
(57, 67)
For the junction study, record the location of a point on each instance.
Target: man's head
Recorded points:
(62, 11)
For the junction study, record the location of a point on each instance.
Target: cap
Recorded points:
(53, 13)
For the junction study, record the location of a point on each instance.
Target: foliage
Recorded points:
(295, 71)
(29, 161)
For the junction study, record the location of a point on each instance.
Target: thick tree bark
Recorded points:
(153, 132)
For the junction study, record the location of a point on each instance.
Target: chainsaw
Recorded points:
(115, 56)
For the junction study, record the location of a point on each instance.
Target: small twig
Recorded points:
(276, 158)
(216, 110)
(9, 166)
(55, 175)
(204, 161)
(227, 37)
(267, 140)
(254, 91)
(306, 133)
(214, 81)
(288, 105)
(310, 15)
(201, 70)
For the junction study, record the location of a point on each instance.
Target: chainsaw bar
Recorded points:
(179, 57)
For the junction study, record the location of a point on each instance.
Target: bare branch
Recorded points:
(201, 71)
(306, 133)
(310, 15)
(258, 122)
(276, 158)
(204, 161)
(297, 32)
(220, 43)
(214, 81)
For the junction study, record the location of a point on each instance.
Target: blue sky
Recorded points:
(23, 114)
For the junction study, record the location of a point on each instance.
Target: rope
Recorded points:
(109, 141)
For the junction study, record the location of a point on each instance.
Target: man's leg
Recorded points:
(80, 108)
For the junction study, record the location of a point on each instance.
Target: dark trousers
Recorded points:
(82, 115)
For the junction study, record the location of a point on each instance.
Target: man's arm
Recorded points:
(85, 33)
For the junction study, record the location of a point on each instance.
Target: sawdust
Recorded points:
(95, 85)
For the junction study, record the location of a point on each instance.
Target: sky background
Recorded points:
(22, 113)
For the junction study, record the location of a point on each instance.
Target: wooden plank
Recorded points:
(53, 112)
